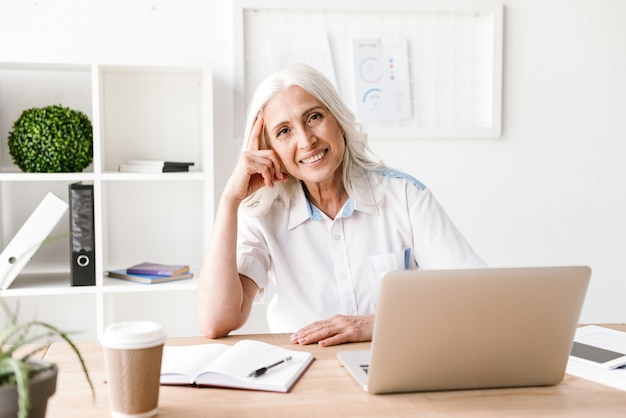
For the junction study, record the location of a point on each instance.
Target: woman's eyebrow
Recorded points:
(312, 108)
(277, 126)
(304, 113)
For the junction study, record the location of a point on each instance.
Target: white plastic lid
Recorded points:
(133, 335)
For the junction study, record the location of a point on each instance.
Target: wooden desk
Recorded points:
(326, 390)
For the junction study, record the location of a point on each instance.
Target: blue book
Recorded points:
(147, 278)
(158, 269)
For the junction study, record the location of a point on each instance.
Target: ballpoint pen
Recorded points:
(262, 370)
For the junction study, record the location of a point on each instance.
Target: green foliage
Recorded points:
(18, 370)
(52, 139)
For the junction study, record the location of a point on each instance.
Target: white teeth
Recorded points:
(317, 157)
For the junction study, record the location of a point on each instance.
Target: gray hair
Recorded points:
(357, 159)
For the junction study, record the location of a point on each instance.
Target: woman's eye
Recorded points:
(281, 132)
(315, 117)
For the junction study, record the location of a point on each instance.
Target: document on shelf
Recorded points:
(247, 364)
(606, 338)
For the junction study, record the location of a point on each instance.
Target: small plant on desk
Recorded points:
(22, 379)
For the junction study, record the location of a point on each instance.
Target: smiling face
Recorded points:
(306, 136)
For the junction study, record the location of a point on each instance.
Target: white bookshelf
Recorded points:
(137, 112)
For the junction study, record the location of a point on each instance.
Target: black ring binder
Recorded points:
(82, 239)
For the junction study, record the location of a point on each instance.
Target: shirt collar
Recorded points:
(302, 209)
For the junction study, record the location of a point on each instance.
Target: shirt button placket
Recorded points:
(342, 269)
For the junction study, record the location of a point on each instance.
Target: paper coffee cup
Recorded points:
(132, 358)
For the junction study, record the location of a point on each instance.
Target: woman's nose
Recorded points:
(306, 138)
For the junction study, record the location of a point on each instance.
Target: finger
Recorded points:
(268, 158)
(334, 340)
(336, 330)
(266, 171)
(271, 169)
(312, 338)
(313, 333)
(276, 166)
(308, 329)
(254, 140)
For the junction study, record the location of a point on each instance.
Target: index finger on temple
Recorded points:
(254, 141)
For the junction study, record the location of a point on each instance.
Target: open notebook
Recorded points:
(469, 329)
(230, 366)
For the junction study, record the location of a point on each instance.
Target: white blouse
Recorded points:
(321, 267)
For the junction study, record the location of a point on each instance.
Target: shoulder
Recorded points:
(390, 177)
(389, 185)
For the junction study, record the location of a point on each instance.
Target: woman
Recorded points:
(309, 209)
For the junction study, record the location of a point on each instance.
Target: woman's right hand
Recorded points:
(256, 167)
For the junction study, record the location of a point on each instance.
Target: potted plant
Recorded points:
(51, 139)
(22, 379)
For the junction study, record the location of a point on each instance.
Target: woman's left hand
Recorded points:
(336, 330)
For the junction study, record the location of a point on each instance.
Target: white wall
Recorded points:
(551, 190)
(109, 31)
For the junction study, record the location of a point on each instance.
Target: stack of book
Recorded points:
(154, 166)
(152, 273)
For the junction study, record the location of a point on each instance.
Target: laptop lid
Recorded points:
(469, 329)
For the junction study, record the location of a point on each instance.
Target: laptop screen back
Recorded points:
(464, 329)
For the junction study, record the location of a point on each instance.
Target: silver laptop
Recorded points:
(470, 329)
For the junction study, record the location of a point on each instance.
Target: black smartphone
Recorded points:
(597, 356)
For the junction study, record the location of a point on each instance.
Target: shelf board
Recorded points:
(109, 176)
(183, 176)
(44, 284)
(19, 176)
(38, 66)
(125, 286)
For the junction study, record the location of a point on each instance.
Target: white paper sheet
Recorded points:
(382, 85)
(609, 339)
(310, 48)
